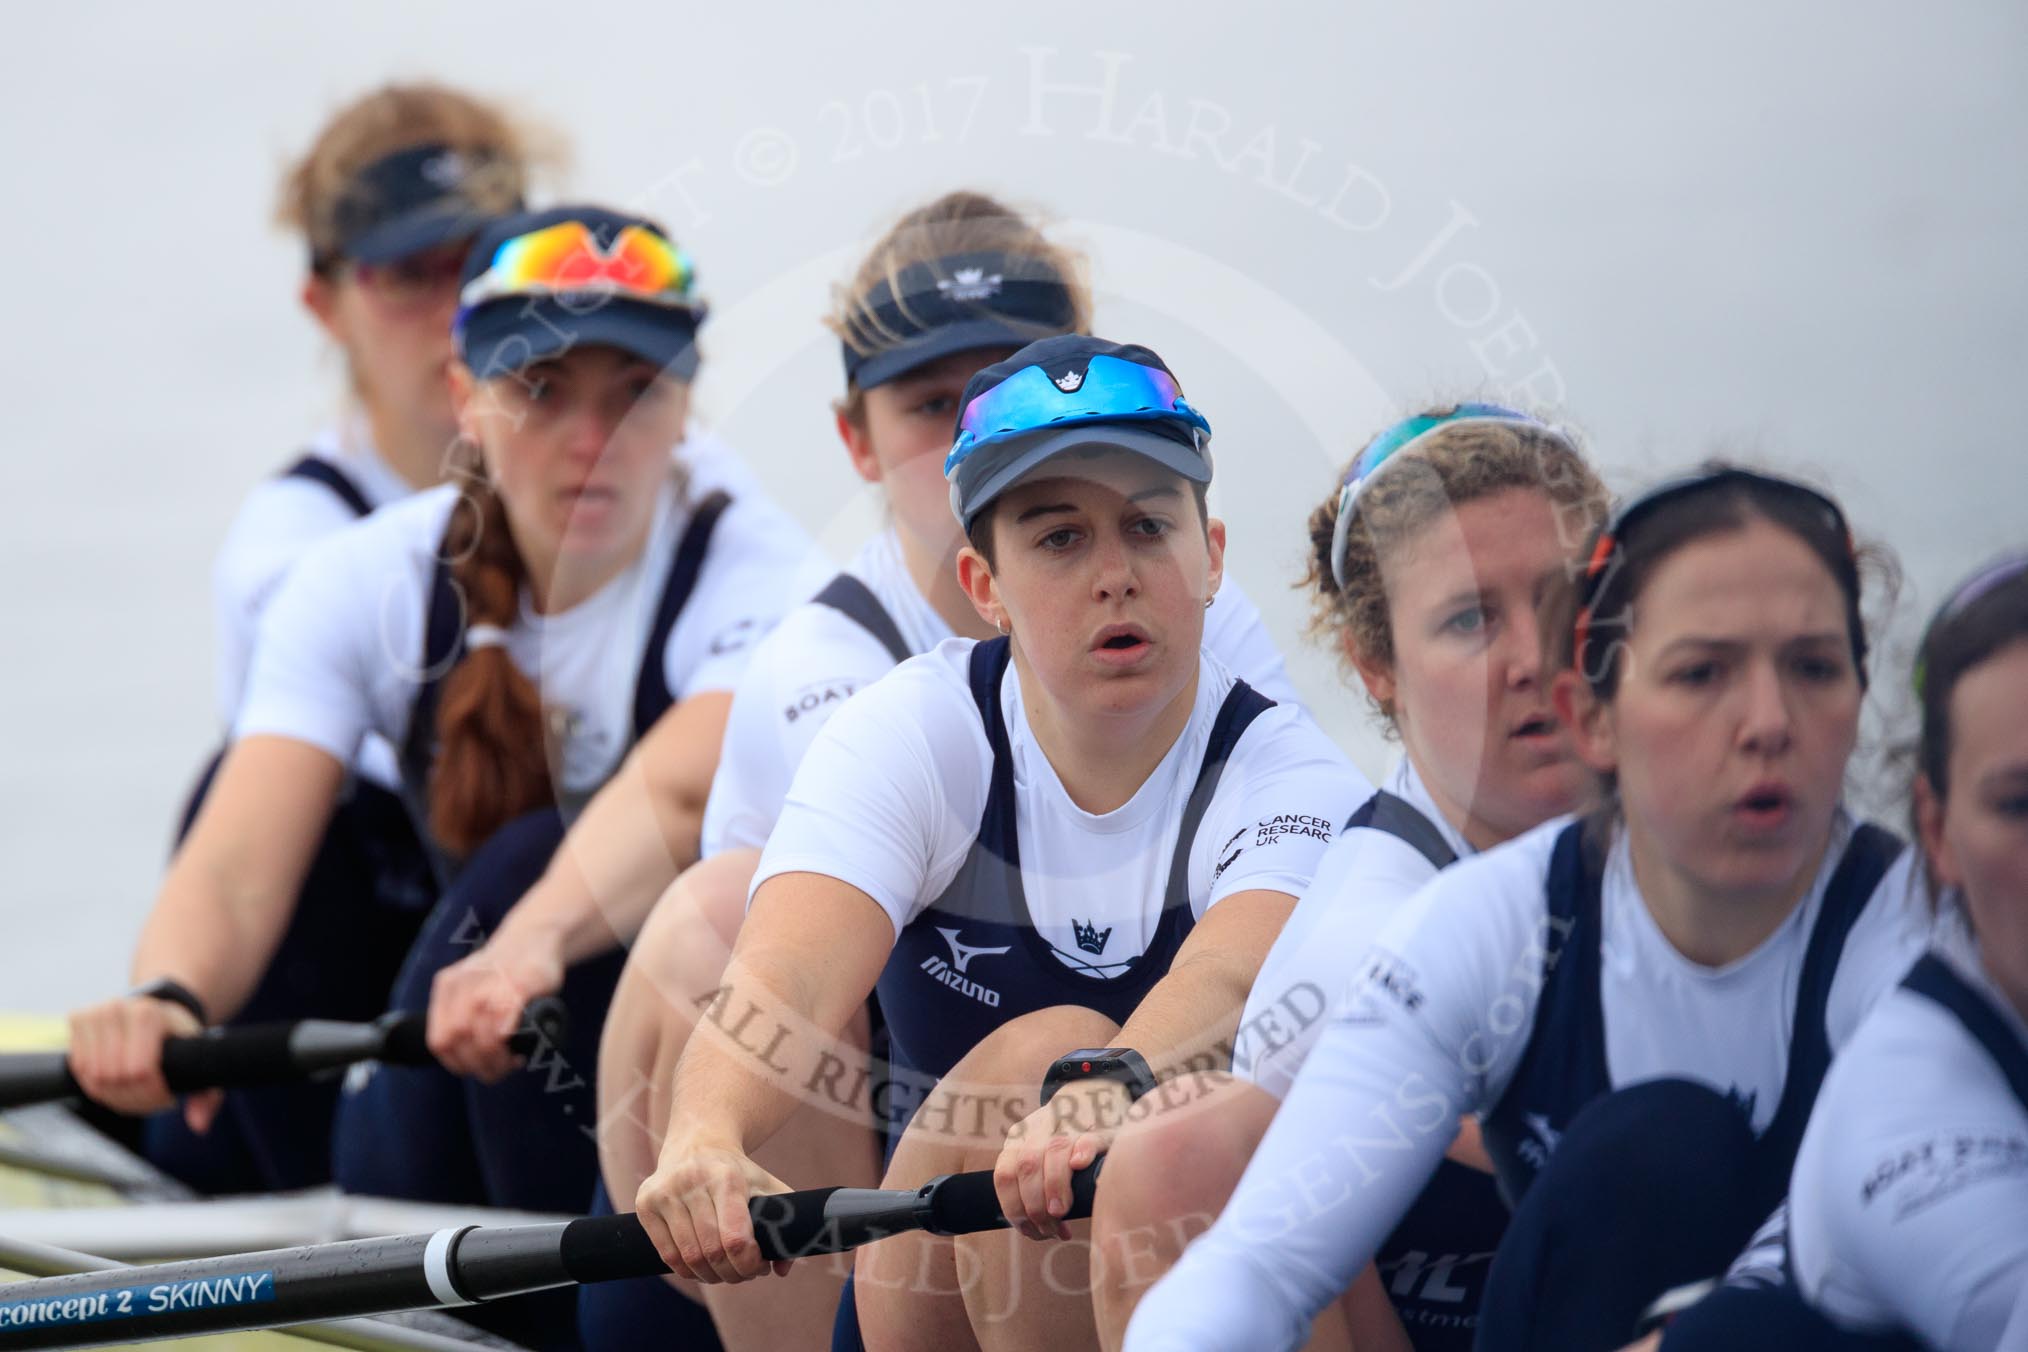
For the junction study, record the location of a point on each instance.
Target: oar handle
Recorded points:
(818, 1221)
(272, 1053)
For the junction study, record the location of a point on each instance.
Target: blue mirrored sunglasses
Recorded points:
(1109, 389)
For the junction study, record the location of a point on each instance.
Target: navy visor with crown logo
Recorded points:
(417, 198)
(957, 303)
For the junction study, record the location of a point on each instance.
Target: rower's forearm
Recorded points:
(750, 1058)
(1188, 1019)
(619, 858)
(212, 943)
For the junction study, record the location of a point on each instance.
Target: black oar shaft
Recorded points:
(454, 1267)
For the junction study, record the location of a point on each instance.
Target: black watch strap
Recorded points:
(176, 993)
(1122, 1065)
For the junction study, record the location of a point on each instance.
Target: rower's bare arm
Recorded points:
(805, 960)
(231, 889)
(1192, 1013)
(635, 836)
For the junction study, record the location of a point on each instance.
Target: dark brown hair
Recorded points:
(1454, 465)
(1649, 539)
(1958, 640)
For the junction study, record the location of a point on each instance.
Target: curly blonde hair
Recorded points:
(1448, 468)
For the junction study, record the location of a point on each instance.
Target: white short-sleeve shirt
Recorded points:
(340, 646)
(1363, 879)
(1436, 1026)
(279, 520)
(818, 658)
(1909, 1203)
(890, 795)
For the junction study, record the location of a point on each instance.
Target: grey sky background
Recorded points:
(1791, 232)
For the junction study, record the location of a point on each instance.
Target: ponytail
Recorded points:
(492, 760)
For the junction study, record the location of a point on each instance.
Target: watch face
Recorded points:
(1091, 1054)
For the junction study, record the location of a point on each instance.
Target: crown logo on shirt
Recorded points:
(1091, 938)
(969, 284)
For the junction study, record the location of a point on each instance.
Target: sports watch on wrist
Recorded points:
(176, 993)
(1122, 1065)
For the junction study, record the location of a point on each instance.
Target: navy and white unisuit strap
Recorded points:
(1933, 979)
(1397, 817)
(320, 471)
(855, 600)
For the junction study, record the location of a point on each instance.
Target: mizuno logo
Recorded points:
(969, 284)
(1069, 381)
(1091, 938)
(962, 954)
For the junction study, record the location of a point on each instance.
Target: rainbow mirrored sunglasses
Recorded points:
(1610, 540)
(568, 258)
(1393, 442)
(1110, 389)
(1979, 584)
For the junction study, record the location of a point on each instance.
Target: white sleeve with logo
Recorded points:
(889, 795)
(800, 675)
(1909, 1204)
(1434, 1029)
(751, 575)
(1234, 634)
(1282, 795)
(1361, 883)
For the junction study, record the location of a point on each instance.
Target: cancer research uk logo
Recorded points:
(1291, 824)
(969, 284)
(952, 973)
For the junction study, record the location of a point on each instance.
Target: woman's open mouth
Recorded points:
(1121, 645)
(1764, 807)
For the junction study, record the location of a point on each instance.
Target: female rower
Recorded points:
(1640, 1004)
(1907, 1207)
(1431, 564)
(953, 285)
(387, 200)
(511, 634)
(1084, 832)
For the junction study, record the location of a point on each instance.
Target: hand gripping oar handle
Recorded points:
(272, 1053)
(459, 1267)
(819, 1221)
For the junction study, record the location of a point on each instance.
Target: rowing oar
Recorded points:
(272, 1053)
(462, 1266)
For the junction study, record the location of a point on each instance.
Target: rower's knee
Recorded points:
(686, 942)
(1171, 1170)
(1184, 1147)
